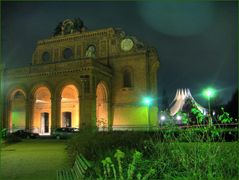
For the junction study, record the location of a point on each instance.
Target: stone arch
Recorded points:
(127, 77)
(70, 114)
(75, 113)
(41, 118)
(13, 89)
(62, 84)
(16, 109)
(38, 85)
(102, 106)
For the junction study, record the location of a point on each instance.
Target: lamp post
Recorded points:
(148, 101)
(209, 93)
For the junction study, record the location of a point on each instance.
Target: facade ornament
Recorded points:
(69, 26)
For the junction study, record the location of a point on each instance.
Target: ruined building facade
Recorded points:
(85, 79)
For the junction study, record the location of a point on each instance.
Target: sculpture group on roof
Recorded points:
(69, 26)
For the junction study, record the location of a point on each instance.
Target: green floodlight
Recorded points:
(148, 100)
(209, 92)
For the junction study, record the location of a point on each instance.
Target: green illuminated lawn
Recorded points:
(33, 160)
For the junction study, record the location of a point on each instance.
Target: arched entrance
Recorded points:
(42, 111)
(101, 107)
(70, 107)
(18, 111)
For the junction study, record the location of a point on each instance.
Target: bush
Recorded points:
(96, 145)
(170, 153)
(10, 138)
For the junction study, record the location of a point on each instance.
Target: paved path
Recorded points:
(33, 160)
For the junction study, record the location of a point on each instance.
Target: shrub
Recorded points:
(170, 153)
(10, 138)
(121, 169)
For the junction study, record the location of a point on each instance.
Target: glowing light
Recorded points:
(209, 92)
(148, 100)
(178, 117)
(162, 118)
(41, 101)
(213, 113)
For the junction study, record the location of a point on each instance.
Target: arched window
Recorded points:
(127, 78)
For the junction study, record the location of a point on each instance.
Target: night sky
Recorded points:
(196, 41)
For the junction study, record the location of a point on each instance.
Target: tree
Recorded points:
(232, 106)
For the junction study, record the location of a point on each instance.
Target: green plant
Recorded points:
(129, 172)
(225, 117)
(198, 114)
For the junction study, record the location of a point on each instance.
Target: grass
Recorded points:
(188, 155)
(33, 160)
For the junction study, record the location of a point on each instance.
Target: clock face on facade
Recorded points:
(67, 53)
(126, 44)
(46, 56)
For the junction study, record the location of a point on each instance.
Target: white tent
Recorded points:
(179, 101)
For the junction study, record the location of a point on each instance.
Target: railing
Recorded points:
(226, 125)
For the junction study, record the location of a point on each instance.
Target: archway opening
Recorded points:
(18, 111)
(42, 111)
(101, 107)
(70, 107)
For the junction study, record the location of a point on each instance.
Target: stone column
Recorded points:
(92, 111)
(7, 123)
(82, 105)
(109, 111)
(56, 112)
(29, 113)
(2, 119)
(79, 111)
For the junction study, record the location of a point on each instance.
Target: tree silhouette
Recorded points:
(232, 106)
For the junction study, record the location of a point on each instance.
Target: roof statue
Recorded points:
(69, 26)
(182, 95)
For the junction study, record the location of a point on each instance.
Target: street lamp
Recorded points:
(148, 101)
(209, 93)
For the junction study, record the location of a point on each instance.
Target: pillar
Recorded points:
(7, 123)
(55, 112)
(29, 113)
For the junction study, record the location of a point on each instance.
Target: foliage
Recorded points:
(129, 172)
(225, 117)
(172, 152)
(184, 116)
(197, 113)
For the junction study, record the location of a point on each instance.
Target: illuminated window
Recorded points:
(127, 78)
